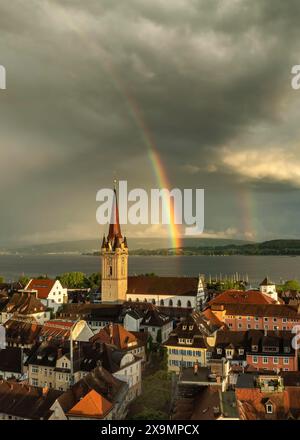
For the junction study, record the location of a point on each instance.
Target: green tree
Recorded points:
(291, 285)
(72, 280)
(94, 280)
(150, 344)
(24, 280)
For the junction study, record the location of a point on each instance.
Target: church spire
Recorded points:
(114, 227)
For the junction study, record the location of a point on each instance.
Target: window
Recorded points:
(241, 351)
(171, 303)
(269, 408)
(284, 320)
(287, 349)
(161, 302)
(275, 327)
(219, 350)
(35, 382)
(179, 303)
(248, 318)
(275, 360)
(286, 361)
(265, 360)
(254, 348)
(153, 301)
(255, 359)
(191, 327)
(256, 326)
(240, 325)
(266, 319)
(34, 369)
(248, 326)
(188, 304)
(256, 318)
(266, 327)
(274, 319)
(184, 327)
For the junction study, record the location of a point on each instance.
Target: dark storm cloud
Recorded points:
(210, 79)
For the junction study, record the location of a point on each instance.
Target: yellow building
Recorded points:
(190, 342)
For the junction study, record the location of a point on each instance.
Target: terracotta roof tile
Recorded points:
(162, 285)
(91, 405)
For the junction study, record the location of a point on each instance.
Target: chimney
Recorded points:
(45, 391)
(111, 332)
(196, 368)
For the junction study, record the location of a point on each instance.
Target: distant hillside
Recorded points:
(147, 244)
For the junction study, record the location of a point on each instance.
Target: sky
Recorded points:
(89, 82)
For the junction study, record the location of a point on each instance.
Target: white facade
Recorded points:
(270, 290)
(131, 372)
(195, 301)
(57, 296)
(166, 329)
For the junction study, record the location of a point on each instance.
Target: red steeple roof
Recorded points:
(114, 227)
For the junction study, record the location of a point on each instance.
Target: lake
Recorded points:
(257, 267)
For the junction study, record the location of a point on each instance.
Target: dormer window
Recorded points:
(219, 350)
(229, 353)
(191, 327)
(287, 349)
(241, 351)
(184, 327)
(254, 348)
(269, 408)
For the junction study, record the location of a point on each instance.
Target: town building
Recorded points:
(190, 342)
(19, 401)
(261, 349)
(11, 363)
(267, 397)
(97, 396)
(149, 320)
(268, 288)
(50, 292)
(257, 316)
(122, 339)
(25, 304)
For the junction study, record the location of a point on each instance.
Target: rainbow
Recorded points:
(158, 168)
(153, 154)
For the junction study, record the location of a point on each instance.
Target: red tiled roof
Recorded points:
(56, 329)
(251, 403)
(241, 297)
(116, 335)
(153, 285)
(42, 286)
(280, 310)
(91, 405)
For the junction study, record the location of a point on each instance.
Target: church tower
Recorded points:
(114, 253)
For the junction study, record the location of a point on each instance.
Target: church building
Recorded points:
(118, 287)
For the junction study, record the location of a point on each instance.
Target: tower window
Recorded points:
(179, 303)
